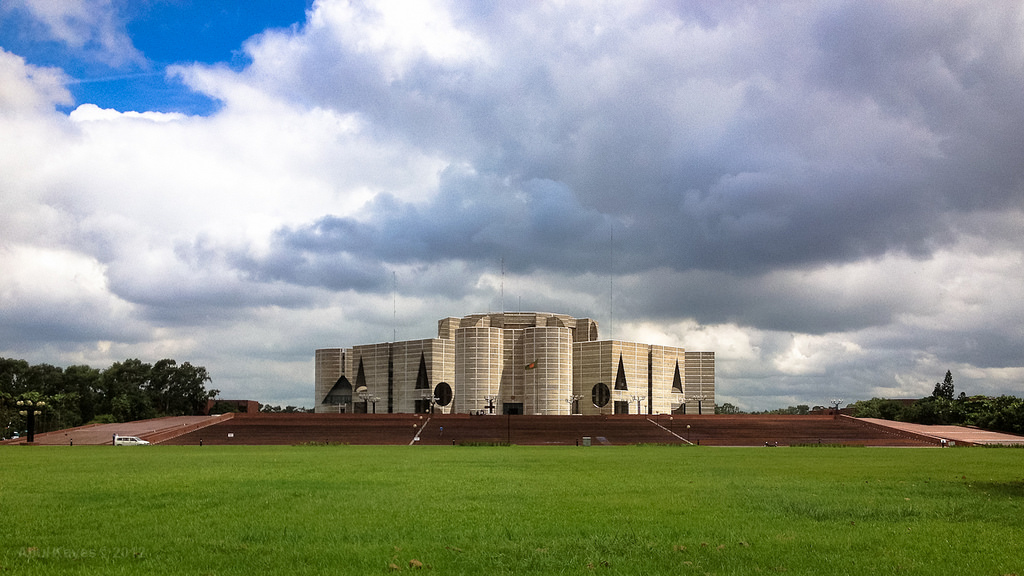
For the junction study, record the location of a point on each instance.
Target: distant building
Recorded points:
(244, 406)
(515, 363)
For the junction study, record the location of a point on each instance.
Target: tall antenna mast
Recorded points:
(503, 285)
(394, 306)
(611, 280)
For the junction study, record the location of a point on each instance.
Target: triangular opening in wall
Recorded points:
(677, 382)
(360, 376)
(620, 378)
(341, 392)
(422, 383)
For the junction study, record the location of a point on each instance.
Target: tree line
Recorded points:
(944, 406)
(77, 395)
(798, 410)
(999, 413)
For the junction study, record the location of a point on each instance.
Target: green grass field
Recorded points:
(481, 510)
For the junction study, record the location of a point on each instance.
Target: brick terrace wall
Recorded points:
(288, 429)
(708, 430)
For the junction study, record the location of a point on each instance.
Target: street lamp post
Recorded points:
(638, 399)
(687, 432)
(835, 402)
(571, 400)
(28, 409)
(490, 403)
(700, 403)
(430, 398)
(371, 398)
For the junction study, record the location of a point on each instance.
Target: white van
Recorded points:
(128, 441)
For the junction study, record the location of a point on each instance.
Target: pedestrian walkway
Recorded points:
(957, 434)
(153, 430)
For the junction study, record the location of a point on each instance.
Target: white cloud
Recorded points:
(59, 295)
(93, 113)
(815, 355)
(397, 34)
(90, 26)
(27, 88)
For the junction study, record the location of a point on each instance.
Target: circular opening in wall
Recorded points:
(443, 393)
(601, 394)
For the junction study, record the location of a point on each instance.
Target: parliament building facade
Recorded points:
(515, 363)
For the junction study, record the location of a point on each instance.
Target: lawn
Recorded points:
(482, 510)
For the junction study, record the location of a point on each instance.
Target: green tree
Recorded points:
(883, 408)
(85, 382)
(12, 376)
(178, 390)
(12, 385)
(122, 408)
(129, 390)
(727, 408)
(45, 379)
(123, 388)
(1003, 413)
(799, 410)
(286, 409)
(188, 389)
(158, 387)
(7, 414)
(924, 411)
(64, 412)
(944, 389)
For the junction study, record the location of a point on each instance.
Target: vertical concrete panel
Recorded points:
(548, 383)
(478, 354)
(593, 362)
(700, 380)
(328, 368)
(663, 360)
(442, 368)
(511, 365)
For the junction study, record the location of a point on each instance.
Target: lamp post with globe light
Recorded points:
(29, 409)
(431, 400)
(490, 402)
(835, 402)
(638, 399)
(371, 398)
(700, 403)
(572, 400)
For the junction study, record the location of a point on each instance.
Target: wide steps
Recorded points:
(440, 429)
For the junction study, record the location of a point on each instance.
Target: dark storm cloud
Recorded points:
(790, 303)
(195, 283)
(35, 324)
(956, 70)
(855, 136)
(473, 219)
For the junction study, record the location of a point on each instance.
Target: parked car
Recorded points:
(129, 441)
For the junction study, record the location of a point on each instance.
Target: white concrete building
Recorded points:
(515, 363)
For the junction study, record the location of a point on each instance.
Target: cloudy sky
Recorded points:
(829, 195)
